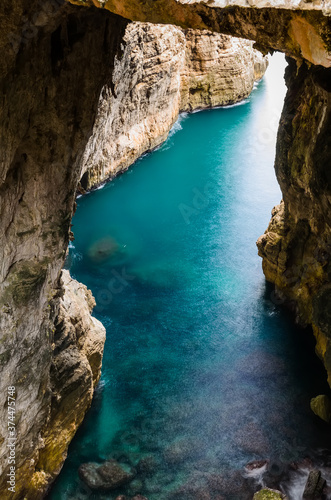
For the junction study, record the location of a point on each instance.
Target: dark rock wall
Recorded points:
(296, 248)
(52, 68)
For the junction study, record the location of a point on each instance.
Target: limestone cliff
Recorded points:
(296, 248)
(50, 81)
(76, 367)
(164, 70)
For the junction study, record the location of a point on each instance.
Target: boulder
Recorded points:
(314, 486)
(321, 406)
(106, 477)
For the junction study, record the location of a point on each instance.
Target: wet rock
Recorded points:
(277, 472)
(267, 494)
(306, 463)
(105, 477)
(256, 464)
(314, 486)
(321, 406)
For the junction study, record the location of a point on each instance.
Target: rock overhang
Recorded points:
(301, 29)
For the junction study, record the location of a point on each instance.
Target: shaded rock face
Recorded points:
(298, 28)
(162, 71)
(50, 81)
(296, 247)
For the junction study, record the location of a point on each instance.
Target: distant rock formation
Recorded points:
(162, 71)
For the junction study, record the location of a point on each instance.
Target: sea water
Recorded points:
(203, 370)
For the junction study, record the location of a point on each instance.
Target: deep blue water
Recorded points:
(202, 370)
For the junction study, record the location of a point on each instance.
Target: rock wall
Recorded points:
(164, 70)
(296, 248)
(218, 70)
(50, 81)
(75, 371)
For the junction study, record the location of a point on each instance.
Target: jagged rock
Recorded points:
(314, 486)
(105, 477)
(267, 494)
(321, 406)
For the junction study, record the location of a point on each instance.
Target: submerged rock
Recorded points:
(105, 477)
(102, 249)
(267, 494)
(321, 406)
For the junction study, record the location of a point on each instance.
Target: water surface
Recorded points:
(202, 371)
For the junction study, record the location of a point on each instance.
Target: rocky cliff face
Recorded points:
(76, 367)
(51, 75)
(163, 70)
(296, 247)
(218, 70)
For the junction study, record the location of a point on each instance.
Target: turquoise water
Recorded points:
(202, 370)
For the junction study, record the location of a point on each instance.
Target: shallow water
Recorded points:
(202, 370)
